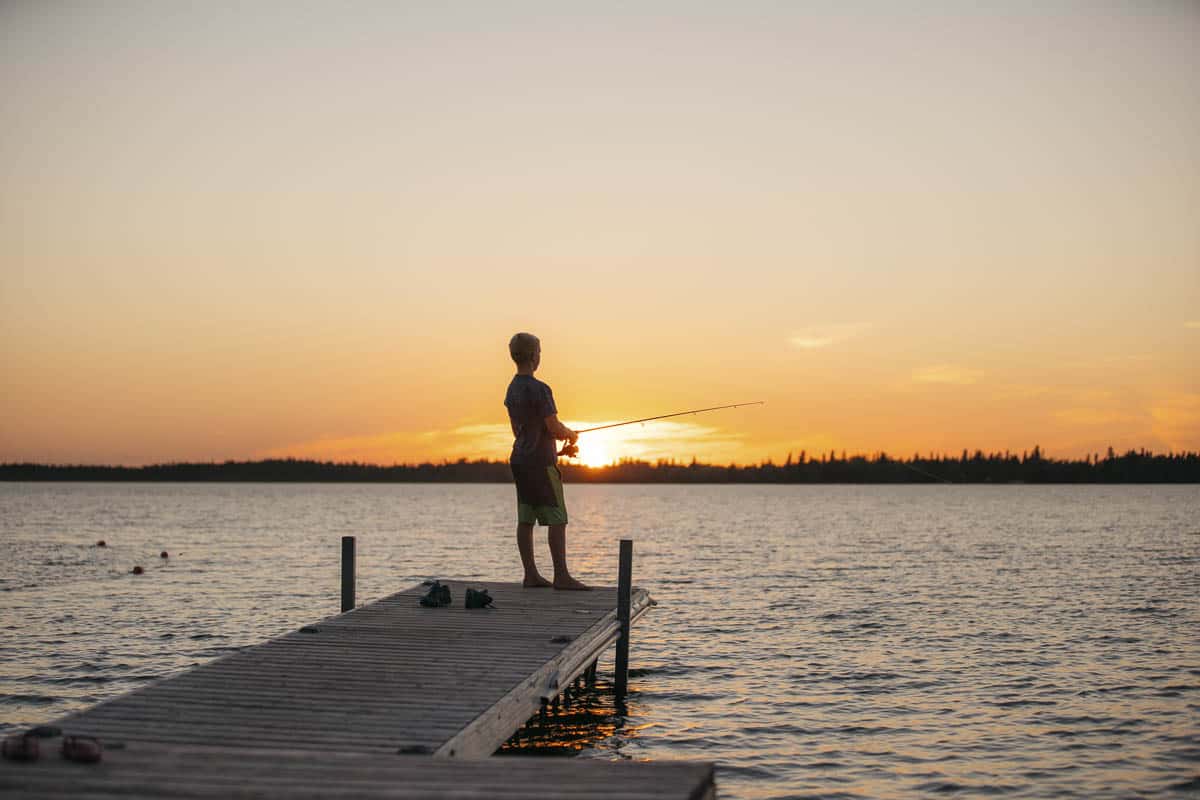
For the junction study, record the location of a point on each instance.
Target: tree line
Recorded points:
(1134, 466)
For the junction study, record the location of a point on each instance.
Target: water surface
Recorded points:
(815, 641)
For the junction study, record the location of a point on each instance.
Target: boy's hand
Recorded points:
(558, 430)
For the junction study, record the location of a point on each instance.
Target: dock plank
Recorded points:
(197, 771)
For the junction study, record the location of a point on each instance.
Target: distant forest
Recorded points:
(1138, 466)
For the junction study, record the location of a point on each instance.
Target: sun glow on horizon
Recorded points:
(601, 448)
(666, 439)
(594, 456)
(651, 441)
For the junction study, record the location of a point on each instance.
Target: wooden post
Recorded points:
(347, 573)
(624, 589)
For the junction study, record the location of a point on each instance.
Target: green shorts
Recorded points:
(528, 514)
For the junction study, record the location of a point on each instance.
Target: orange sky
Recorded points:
(289, 230)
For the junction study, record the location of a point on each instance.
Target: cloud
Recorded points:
(1175, 420)
(1090, 416)
(1023, 391)
(818, 336)
(947, 374)
(650, 441)
(1169, 419)
(491, 441)
(811, 342)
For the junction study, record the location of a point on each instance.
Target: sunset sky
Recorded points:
(247, 230)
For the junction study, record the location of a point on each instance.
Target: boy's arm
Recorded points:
(558, 430)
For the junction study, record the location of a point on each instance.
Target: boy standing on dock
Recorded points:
(535, 426)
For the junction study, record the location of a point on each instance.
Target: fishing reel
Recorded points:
(569, 449)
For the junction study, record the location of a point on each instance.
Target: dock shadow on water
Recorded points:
(584, 720)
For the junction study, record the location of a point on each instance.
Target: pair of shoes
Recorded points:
(25, 747)
(479, 599)
(437, 596)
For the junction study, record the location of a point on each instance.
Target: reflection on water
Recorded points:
(587, 717)
(815, 641)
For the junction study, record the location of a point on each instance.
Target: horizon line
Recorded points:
(802, 457)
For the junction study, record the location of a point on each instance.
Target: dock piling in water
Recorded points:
(347, 573)
(624, 589)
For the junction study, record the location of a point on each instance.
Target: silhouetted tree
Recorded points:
(1135, 466)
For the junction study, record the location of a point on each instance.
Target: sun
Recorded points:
(593, 454)
(603, 448)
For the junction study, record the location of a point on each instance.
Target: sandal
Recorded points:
(479, 599)
(21, 747)
(84, 749)
(437, 596)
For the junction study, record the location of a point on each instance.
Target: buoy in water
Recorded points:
(137, 570)
(101, 543)
(163, 554)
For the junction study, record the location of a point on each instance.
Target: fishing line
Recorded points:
(922, 472)
(571, 450)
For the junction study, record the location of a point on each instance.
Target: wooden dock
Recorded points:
(390, 699)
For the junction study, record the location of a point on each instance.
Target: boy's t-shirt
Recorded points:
(529, 402)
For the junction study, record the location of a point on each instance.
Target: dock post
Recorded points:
(347, 573)
(624, 588)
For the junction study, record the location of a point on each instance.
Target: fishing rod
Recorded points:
(570, 449)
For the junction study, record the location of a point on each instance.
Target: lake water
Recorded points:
(815, 641)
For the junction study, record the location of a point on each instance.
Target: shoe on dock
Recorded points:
(84, 749)
(479, 599)
(437, 596)
(21, 747)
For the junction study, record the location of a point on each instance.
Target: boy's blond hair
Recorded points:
(522, 347)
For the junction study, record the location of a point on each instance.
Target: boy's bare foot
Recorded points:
(535, 582)
(572, 584)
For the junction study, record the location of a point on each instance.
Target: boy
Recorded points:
(535, 427)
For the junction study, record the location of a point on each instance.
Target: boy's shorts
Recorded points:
(539, 495)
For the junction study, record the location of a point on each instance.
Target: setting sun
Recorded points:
(649, 441)
(594, 456)
(600, 448)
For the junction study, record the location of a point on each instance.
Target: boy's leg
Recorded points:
(525, 547)
(558, 552)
